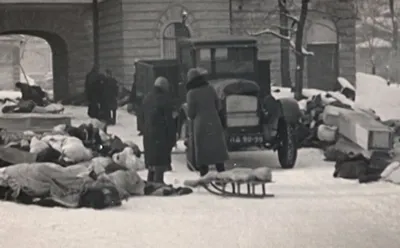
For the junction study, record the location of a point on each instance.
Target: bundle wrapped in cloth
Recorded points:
(236, 175)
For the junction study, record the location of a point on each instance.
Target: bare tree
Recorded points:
(297, 28)
(395, 26)
(369, 14)
(285, 44)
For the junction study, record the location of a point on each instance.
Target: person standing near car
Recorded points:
(204, 111)
(93, 92)
(159, 135)
(111, 97)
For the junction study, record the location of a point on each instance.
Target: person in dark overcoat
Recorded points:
(93, 92)
(158, 130)
(111, 96)
(204, 110)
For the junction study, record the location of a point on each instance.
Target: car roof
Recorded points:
(221, 40)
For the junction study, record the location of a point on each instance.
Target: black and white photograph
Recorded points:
(199, 124)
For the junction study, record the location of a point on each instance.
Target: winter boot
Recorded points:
(203, 169)
(220, 167)
(150, 176)
(159, 177)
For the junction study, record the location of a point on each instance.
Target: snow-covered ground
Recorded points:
(311, 208)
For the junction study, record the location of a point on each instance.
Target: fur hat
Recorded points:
(162, 83)
(193, 73)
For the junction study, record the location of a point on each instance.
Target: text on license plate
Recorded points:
(250, 139)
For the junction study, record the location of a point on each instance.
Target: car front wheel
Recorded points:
(287, 147)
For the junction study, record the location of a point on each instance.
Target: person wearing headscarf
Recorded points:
(159, 135)
(204, 110)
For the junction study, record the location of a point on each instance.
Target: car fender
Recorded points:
(290, 110)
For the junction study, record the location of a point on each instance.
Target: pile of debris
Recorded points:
(355, 138)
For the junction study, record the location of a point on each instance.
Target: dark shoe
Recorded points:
(220, 167)
(150, 176)
(159, 177)
(183, 191)
(203, 169)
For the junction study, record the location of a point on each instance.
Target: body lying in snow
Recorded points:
(94, 136)
(92, 183)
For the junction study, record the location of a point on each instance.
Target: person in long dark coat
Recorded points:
(158, 130)
(203, 109)
(93, 92)
(111, 97)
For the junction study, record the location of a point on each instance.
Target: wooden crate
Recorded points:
(331, 115)
(32, 121)
(365, 131)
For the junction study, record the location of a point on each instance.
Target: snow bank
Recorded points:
(373, 92)
(10, 94)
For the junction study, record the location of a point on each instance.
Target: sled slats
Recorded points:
(365, 131)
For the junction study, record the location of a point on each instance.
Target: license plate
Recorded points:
(246, 139)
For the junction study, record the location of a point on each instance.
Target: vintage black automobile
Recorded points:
(251, 115)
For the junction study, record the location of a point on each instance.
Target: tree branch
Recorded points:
(271, 32)
(304, 51)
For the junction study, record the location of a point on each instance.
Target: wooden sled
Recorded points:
(236, 190)
(216, 183)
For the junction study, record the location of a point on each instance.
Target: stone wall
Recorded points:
(144, 22)
(111, 50)
(9, 53)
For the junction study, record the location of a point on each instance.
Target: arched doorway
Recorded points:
(59, 59)
(170, 34)
(322, 68)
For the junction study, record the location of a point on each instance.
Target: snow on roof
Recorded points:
(375, 42)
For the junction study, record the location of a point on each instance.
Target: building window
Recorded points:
(171, 34)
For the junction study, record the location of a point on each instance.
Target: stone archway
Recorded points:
(322, 68)
(170, 27)
(65, 30)
(60, 59)
(170, 35)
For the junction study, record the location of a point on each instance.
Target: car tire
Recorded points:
(287, 147)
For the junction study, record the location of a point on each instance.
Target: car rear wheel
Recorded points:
(287, 147)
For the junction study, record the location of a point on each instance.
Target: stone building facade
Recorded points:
(134, 29)
(138, 29)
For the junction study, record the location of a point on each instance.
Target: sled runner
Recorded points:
(230, 183)
(236, 190)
